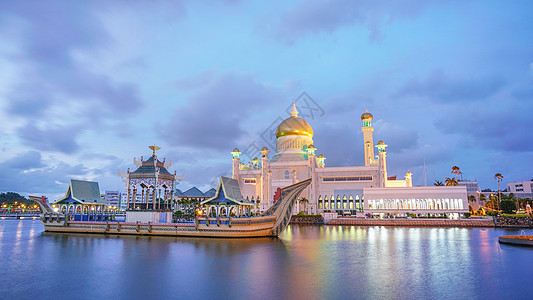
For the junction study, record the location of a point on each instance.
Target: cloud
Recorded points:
(326, 16)
(440, 87)
(24, 161)
(57, 138)
(51, 83)
(397, 137)
(212, 117)
(491, 127)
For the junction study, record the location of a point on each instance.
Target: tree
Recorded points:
(499, 177)
(451, 182)
(471, 198)
(507, 206)
(438, 183)
(456, 171)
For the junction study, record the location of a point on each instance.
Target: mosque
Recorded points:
(353, 190)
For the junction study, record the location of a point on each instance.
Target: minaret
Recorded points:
(265, 182)
(368, 138)
(312, 174)
(236, 162)
(382, 154)
(409, 179)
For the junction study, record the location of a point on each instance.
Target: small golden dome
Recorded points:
(255, 159)
(311, 147)
(381, 143)
(321, 156)
(236, 150)
(264, 149)
(294, 126)
(367, 116)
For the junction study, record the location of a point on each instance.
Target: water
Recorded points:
(305, 262)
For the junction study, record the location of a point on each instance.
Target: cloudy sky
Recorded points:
(85, 86)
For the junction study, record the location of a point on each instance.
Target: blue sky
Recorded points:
(87, 85)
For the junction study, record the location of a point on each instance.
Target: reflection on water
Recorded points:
(305, 262)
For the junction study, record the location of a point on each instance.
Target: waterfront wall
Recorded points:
(413, 222)
(310, 220)
(514, 222)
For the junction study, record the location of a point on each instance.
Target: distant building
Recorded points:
(192, 194)
(521, 189)
(472, 189)
(114, 200)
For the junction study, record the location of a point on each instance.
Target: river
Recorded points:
(305, 262)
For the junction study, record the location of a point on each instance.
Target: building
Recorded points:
(472, 189)
(114, 200)
(194, 194)
(151, 185)
(82, 197)
(521, 189)
(337, 189)
(185, 200)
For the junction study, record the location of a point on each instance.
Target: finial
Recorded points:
(294, 112)
(154, 147)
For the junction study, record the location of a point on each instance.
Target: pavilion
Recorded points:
(82, 197)
(227, 200)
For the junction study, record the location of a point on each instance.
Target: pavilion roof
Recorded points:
(228, 192)
(83, 192)
(150, 166)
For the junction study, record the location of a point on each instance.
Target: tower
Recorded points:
(382, 154)
(236, 162)
(368, 138)
(265, 178)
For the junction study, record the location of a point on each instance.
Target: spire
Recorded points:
(154, 148)
(294, 112)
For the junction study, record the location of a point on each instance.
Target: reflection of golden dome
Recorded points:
(294, 126)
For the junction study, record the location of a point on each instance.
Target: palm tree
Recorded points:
(456, 171)
(451, 182)
(471, 198)
(499, 177)
(438, 183)
(305, 202)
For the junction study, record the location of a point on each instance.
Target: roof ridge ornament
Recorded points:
(154, 148)
(294, 112)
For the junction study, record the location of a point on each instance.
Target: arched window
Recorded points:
(286, 174)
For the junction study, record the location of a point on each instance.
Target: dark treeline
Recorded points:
(11, 198)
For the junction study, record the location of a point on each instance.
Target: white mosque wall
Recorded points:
(424, 199)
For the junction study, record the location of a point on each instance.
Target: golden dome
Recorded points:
(294, 126)
(366, 115)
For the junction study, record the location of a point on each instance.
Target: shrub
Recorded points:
(507, 206)
(492, 213)
(515, 215)
(467, 215)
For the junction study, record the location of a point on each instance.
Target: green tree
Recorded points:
(451, 182)
(438, 183)
(456, 171)
(507, 206)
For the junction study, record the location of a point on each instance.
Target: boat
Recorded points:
(269, 224)
(520, 240)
